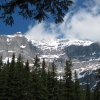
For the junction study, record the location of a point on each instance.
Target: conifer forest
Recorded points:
(20, 82)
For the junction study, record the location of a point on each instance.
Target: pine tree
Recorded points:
(49, 84)
(39, 10)
(8, 64)
(88, 94)
(11, 80)
(36, 68)
(1, 78)
(92, 95)
(69, 85)
(61, 89)
(44, 81)
(53, 85)
(3, 83)
(36, 80)
(20, 82)
(1, 63)
(27, 82)
(97, 92)
(97, 89)
(77, 87)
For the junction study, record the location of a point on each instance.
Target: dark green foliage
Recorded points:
(36, 79)
(18, 82)
(3, 83)
(97, 89)
(19, 79)
(53, 84)
(27, 81)
(87, 94)
(8, 64)
(61, 90)
(78, 95)
(53, 70)
(1, 63)
(69, 84)
(10, 79)
(97, 92)
(34, 9)
(36, 67)
(44, 90)
(44, 73)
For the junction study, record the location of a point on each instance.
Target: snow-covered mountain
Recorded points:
(54, 44)
(85, 55)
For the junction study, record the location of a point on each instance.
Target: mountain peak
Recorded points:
(18, 33)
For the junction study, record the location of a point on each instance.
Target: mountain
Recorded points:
(85, 55)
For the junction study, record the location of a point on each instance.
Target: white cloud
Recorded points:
(74, 1)
(92, 3)
(97, 2)
(84, 24)
(42, 30)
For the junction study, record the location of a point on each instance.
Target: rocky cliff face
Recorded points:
(17, 43)
(84, 52)
(85, 55)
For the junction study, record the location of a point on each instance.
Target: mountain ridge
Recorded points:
(85, 55)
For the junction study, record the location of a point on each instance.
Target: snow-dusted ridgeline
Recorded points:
(59, 43)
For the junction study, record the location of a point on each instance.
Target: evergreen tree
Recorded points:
(88, 94)
(39, 10)
(19, 79)
(77, 87)
(49, 84)
(83, 92)
(44, 73)
(53, 85)
(1, 78)
(3, 83)
(36, 80)
(36, 68)
(53, 71)
(10, 80)
(44, 81)
(95, 95)
(69, 85)
(92, 95)
(1, 63)
(8, 64)
(27, 82)
(61, 89)
(97, 92)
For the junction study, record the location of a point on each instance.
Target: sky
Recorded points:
(81, 22)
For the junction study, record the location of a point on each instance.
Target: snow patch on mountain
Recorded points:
(11, 51)
(54, 44)
(17, 34)
(1, 50)
(88, 70)
(46, 44)
(9, 39)
(10, 59)
(22, 46)
(49, 58)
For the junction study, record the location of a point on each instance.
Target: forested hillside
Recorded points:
(20, 82)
